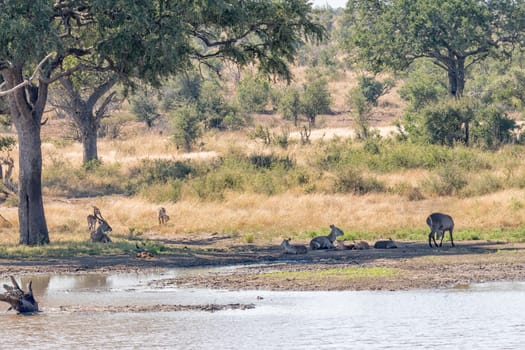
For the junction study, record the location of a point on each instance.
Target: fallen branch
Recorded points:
(19, 300)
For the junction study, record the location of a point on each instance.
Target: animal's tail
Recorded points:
(429, 221)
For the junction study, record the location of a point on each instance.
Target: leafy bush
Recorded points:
(315, 99)
(372, 88)
(103, 179)
(170, 191)
(187, 126)
(145, 109)
(289, 104)
(482, 185)
(449, 180)
(160, 171)
(213, 185)
(423, 86)
(492, 127)
(253, 94)
(269, 161)
(351, 181)
(444, 122)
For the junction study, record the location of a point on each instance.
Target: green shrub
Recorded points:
(482, 185)
(160, 171)
(254, 94)
(162, 192)
(145, 109)
(104, 179)
(492, 127)
(315, 99)
(214, 184)
(187, 126)
(449, 180)
(352, 181)
(268, 161)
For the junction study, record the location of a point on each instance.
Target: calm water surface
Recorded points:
(484, 316)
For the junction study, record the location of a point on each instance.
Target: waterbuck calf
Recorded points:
(92, 219)
(100, 235)
(163, 216)
(292, 249)
(385, 244)
(439, 223)
(326, 242)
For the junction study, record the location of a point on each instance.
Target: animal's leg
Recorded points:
(432, 236)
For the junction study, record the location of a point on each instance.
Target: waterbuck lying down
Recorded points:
(439, 223)
(326, 242)
(292, 249)
(100, 234)
(385, 244)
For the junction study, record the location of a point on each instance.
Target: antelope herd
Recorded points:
(437, 222)
(98, 234)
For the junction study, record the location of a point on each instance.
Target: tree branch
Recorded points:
(26, 82)
(100, 112)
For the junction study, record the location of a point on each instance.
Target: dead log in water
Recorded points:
(19, 300)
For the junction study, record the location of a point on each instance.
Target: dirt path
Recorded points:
(413, 265)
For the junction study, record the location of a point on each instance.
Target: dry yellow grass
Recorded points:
(276, 216)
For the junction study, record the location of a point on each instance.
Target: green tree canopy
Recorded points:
(453, 33)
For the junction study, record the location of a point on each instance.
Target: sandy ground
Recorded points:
(413, 265)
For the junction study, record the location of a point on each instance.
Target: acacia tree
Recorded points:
(453, 33)
(147, 40)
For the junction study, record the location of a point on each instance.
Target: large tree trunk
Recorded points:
(88, 126)
(33, 228)
(456, 76)
(27, 107)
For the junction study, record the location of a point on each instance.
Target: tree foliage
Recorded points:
(253, 94)
(144, 108)
(454, 33)
(289, 104)
(423, 86)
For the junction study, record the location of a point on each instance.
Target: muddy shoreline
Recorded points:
(413, 265)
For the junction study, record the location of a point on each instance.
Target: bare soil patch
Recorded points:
(413, 265)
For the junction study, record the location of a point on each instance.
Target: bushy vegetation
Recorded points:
(338, 166)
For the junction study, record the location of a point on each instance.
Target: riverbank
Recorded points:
(413, 265)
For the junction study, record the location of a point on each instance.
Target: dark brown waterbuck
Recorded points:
(439, 223)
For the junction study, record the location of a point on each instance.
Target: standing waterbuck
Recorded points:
(163, 216)
(92, 219)
(439, 223)
(326, 242)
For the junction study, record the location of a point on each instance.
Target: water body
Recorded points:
(483, 316)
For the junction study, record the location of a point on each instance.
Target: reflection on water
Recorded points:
(484, 316)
